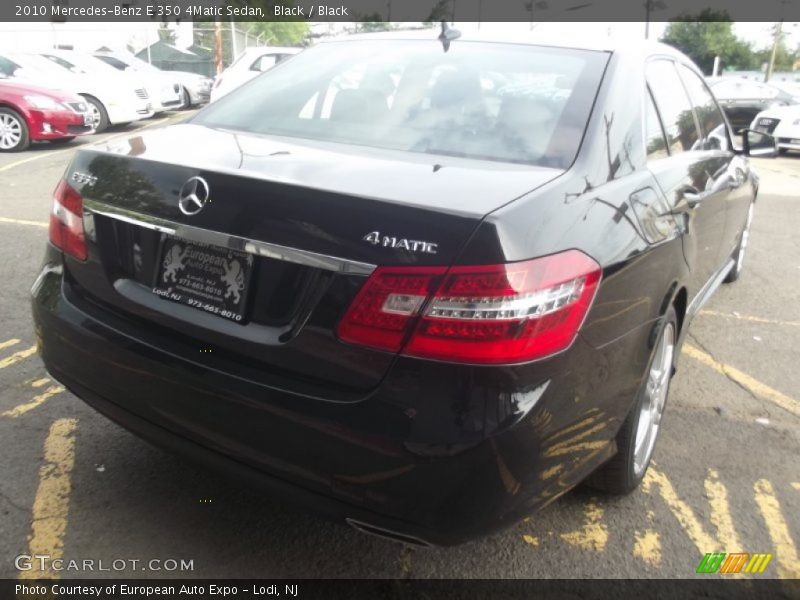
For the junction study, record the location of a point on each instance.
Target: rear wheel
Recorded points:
(14, 135)
(636, 440)
(741, 249)
(99, 114)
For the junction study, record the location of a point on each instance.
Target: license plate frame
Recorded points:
(208, 278)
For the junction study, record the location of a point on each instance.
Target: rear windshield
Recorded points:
(503, 102)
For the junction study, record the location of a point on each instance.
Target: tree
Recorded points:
(709, 34)
(784, 58)
(277, 33)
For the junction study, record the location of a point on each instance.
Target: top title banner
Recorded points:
(397, 10)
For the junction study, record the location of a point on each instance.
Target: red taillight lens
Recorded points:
(495, 314)
(66, 221)
(387, 305)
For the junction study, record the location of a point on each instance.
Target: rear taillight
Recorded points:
(387, 305)
(494, 314)
(66, 221)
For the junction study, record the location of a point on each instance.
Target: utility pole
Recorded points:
(218, 46)
(775, 43)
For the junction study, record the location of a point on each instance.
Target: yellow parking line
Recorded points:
(714, 313)
(36, 401)
(8, 343)
(785, 550)
(756, 387)
(16, 357)
(40, 382)
(796, 485)
(51, 505)
(647, 546)
(594, 534)
(682, 511)
(24, 222)
(25, 161)
(721, 516)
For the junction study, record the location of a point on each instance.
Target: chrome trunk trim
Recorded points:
(216, 238)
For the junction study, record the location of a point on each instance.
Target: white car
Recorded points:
(195, 88)
(783, 123)
(249, 64)
(167, 83)
(111, 101)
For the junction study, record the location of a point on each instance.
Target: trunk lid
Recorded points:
(299, 202)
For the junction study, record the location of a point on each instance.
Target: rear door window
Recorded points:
(712, 123)
(655, 142)
(673, 106)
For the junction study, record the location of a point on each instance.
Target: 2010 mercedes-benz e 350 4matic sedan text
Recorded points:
(440, 286)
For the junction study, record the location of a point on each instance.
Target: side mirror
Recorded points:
(759, 144)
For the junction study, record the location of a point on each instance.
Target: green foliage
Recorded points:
(277, 33)
(784, 58)
(709, 34)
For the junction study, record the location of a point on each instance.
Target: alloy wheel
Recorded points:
(655, 398)
(10, 131)
(96, 116)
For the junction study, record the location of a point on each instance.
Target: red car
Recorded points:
(31, 113)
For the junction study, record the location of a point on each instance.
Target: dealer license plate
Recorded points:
(205, 277)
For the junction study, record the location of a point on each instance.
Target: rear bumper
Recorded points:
(439, 453)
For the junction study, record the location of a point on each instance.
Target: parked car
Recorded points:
(742, 99)
(179, 89)
(29, 113)
(96, 70)
(249, 64)
(783, 123)
(789, 87)
(375, 282)
(110, 101)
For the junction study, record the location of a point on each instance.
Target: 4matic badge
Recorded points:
(387, 241)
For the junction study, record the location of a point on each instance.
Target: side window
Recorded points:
(712, 123)
(673, 106)
(262, 63)
(655, 144)
(7, 67)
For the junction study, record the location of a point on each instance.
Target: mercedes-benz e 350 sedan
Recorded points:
(422, 291)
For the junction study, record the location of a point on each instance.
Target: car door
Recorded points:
(690, 176)
(732, 170)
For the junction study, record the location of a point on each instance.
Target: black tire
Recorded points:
(99, 113)
(186, 99)
(741, 248)
(17, 137)
(619, 475)
(63, 140)
(783, 151)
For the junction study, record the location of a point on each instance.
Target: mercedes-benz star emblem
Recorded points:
(193, 196)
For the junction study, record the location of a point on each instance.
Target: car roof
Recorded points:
(268, 49)
(601, 43)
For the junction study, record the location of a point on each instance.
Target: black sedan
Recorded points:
(422, 285)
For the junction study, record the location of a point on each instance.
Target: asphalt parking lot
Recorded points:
(726, 478)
